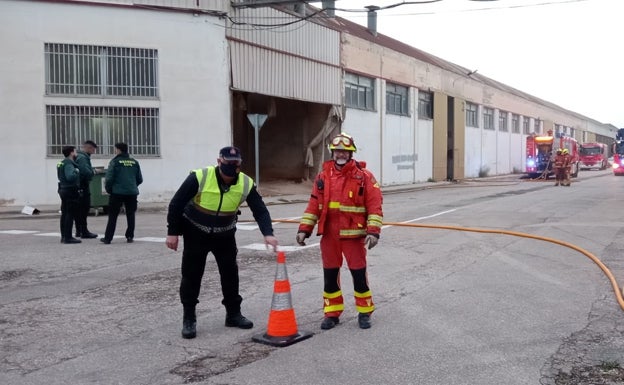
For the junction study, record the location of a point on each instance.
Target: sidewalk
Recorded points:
(273, 193)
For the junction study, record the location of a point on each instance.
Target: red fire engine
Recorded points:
(540, 151)
(593, 155)
(618, 153)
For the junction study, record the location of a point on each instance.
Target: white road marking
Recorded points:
(151, 239)
(421, 218)
(48, 234)
(17, 232)
(246, 227)
(262, 246)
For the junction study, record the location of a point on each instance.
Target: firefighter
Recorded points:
(205, 210)
(567, 167)
(346, 204)
(559, 167)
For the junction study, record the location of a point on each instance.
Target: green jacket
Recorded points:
(84, 165)
(123, 176)
(68, 174)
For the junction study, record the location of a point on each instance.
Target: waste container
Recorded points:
(99, 196)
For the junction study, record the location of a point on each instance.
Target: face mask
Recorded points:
(229, 169)
(341, 161)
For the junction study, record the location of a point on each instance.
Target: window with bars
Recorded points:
(472, 115)
(538, 129)
(397, 99)
(425, 105)
(515, 123)
(526, 125)
(80, 70)
(359, 92)
(488, 118)
(502, 120)
(72, 125)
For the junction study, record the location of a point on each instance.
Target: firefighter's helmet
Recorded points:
(559, 151)
(565, 151)
(342, 141)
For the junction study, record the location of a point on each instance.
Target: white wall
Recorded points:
(193, 86)
(364, 126)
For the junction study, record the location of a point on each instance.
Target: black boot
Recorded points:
(189, 328)
(238, 320)
(329, 323)
(87, 234)
(71, 240)
(364, 321)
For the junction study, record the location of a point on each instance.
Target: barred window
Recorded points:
(502, 120)
(425, 105)
(71, 125)
(488, 118)
(359, 92)
(472, 114)
(78, 70)
(526, 125)
(515, 123)
(397, 99)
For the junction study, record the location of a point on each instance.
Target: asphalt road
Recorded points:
(453, 307)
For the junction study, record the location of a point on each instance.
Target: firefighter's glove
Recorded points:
(301, 236)
(371, 241)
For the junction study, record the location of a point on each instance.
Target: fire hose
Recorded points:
(602, 266)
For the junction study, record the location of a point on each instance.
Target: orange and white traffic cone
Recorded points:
(282, 328)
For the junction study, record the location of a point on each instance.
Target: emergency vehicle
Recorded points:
(618, 153)
(540, 152)
(593, 155)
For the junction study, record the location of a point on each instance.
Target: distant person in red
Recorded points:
(559, 168)
(346, 204)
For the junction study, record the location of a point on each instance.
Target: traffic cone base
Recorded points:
(282, 341)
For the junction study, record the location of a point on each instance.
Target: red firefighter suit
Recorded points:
(346, 205)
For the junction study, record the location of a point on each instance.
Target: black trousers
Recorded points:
(84, 204)
(69, 210)
(114, 207)
(197, 245)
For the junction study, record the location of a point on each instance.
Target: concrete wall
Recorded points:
(193, 88)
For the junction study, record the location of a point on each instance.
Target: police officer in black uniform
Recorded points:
(204, 211)
(69, 191)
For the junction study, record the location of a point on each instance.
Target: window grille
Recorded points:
(72, 125)
(81, 70)
(526, 125)
(425, 105)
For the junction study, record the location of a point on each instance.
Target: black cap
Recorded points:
(230, 153)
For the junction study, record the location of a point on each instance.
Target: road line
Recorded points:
(17, 232)
(262, 246)
(421, 218)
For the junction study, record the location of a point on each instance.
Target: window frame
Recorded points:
(364, 93)
(515, 123)
(396, 93)
(488, 118)
(526, 125)
(503, 118)
(472, 115)
(425, 105)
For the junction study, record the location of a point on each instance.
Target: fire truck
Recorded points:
(618, 153)
(593, 155)
(540, 153)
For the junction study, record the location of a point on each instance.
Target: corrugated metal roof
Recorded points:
(198, 5)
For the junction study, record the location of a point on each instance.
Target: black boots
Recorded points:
(238, 320)
(364, 321)
(329, 323)
(188, 328)
(70, 240)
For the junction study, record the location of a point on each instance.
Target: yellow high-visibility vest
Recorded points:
(209, 197)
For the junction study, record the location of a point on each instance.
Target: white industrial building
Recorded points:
(176, 79)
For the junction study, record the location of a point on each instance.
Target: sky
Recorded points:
(568, 52)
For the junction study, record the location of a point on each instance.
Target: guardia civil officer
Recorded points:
(83, 159)
(69, 191)
(204, 211)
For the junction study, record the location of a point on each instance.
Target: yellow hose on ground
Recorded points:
(605, 269)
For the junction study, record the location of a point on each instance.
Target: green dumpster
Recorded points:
(99, 196)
